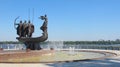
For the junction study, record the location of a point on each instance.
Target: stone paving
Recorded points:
(107, 62)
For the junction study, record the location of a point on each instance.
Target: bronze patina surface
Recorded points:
(25, 30)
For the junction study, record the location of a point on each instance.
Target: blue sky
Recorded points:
(67, 19)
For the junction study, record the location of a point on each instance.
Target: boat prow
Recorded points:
(32, 39)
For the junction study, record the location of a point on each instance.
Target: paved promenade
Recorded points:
(107, 62)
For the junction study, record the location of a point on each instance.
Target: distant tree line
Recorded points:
(99, 42)
(10, 42)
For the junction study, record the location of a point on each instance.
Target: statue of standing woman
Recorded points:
(44, 26)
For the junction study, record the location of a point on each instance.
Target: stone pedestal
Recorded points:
(32, 46)
(32, 43)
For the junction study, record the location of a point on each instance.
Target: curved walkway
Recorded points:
(106, 62)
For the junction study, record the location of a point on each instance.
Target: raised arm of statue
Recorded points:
(45, 21)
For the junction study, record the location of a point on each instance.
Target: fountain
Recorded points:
(72, 51)
(34, 53)
(57, 45)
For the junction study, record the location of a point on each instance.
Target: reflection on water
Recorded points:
(60, 45)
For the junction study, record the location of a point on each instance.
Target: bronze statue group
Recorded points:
(25, 29)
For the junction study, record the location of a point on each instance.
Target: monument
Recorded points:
(25, 30)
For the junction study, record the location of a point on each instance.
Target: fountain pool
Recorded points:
(50, 56)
